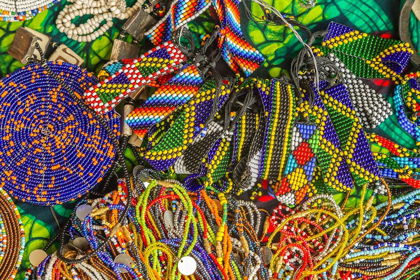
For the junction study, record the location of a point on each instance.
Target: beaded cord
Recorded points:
(365, 55)
(47, 123)
(159, 61)
(12, 236)
(23, 10)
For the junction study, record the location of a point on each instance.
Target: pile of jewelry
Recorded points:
(235, 176)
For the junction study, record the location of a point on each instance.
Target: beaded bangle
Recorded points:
(12, 235)
(59, 158)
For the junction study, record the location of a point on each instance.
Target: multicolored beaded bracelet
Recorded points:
(52, 150)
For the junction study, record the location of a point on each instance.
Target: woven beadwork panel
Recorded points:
(52, 151)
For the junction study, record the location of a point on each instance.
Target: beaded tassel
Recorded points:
(53, 151)
(279, 106)
(238, 53)
(296, 183)
(187, 126)
(158, 62)
(365, 55)
(175, 93)
(351, 135)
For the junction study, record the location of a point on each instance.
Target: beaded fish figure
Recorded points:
(367, 56)
(63, 151)
(296, 183)
(158, 62)
(238, 53)
(187, 126)
(170, 96)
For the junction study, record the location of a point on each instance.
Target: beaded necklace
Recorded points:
(56, 162)
(23, 10)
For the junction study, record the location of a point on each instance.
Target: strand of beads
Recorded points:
(103, 12)
(23, 10)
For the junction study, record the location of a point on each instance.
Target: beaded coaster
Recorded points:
(365, 55)
(175, 93)
(12, 235)
(52, 151)
(20, 10)
(237, 52)
(143, 71)
(296, 183)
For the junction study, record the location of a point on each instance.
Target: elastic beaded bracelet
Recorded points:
(63, 151)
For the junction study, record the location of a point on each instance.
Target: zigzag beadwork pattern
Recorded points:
(365, 55)
(156, 63)
(236, 51)
(180, 13)
(187, 126)
(331, 157)
(296, 183)
(175, 93)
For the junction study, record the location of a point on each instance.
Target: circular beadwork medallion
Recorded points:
(51, 150)
(20, 10)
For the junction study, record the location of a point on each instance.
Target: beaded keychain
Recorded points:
(59, 157)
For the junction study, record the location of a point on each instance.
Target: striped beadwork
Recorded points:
(52, 151)
(175, 93)
(365, 55)
(14, 10)
(158, 62)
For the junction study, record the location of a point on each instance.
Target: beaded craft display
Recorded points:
(365, 55)
(12, 235)
(158, 62)
(19, 10)
(52, 151)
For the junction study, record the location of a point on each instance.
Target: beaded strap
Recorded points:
(351, 135)
(158, 62)
(371, 107)
(296, 184)
(365, 55)
(45, 134)
(187, 126)
(175, 93)
(279, 105)
(238, 53)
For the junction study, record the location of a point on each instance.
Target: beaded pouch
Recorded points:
(367, 56)
(296, 183)
(158, 62)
